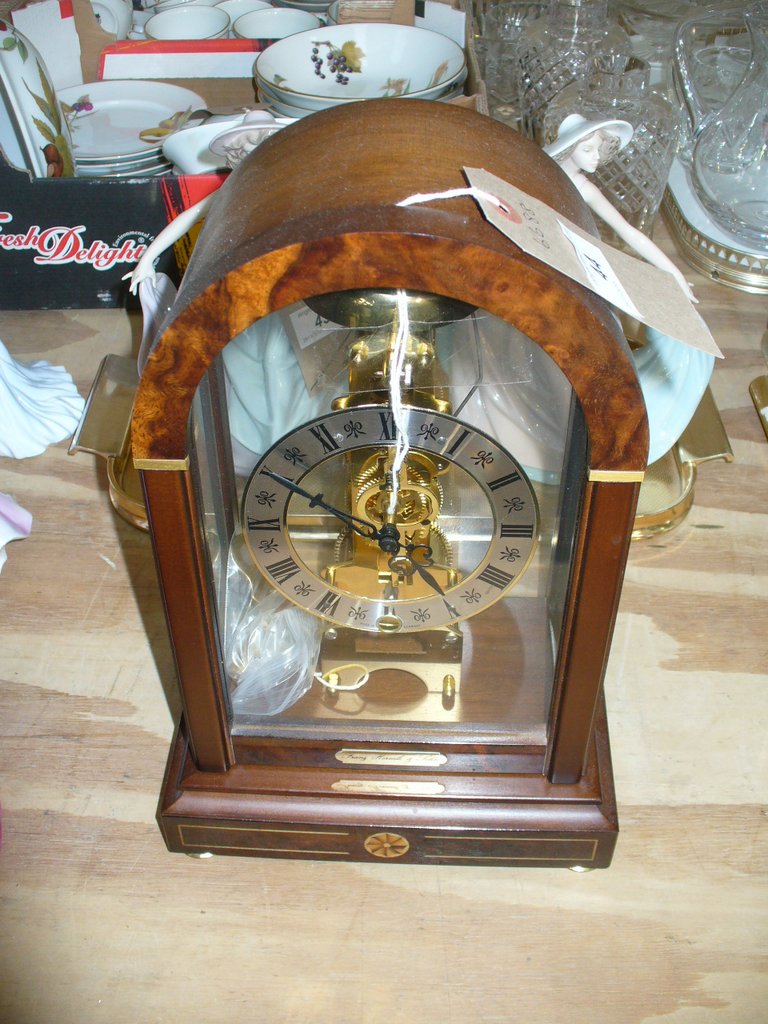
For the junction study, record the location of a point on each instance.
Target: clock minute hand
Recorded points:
(387, 538)
(428, 578)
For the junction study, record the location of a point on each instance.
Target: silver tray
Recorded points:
(707, 247)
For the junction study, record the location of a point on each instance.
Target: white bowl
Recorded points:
(293, 105)
(236, 8)
(190, 21)
(280, 105)
(319, 7)
(169, 5)
(379, 60)
(275, 23)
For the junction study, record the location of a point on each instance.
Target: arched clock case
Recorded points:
(390, 466)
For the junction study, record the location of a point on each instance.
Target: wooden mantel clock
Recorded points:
(390, 465)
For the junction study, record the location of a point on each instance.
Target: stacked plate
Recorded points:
(346, 63)
(118, 127)
(318, 7)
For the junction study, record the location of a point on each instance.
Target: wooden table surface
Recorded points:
(99, 923)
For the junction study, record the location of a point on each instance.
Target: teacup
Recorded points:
(114, 16)
(140, 19)
(267, 26)
(190, 21)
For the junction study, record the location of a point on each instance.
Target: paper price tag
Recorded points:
(643, 291)
(601, 274)
(309, 327)
(315, 344)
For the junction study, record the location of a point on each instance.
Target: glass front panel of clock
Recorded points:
(393, 546)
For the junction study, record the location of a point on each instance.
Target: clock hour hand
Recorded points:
(388, 536)
(420, 564)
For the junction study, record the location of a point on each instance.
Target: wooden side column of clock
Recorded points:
(312, 212)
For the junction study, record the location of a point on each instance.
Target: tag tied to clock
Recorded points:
(627, 282)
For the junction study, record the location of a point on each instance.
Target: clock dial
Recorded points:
(388, 530)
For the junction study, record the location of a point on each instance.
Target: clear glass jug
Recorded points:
(729, 160)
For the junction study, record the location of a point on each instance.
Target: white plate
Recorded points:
(152, 156)
(111, 161)
(150, 171)
(33, 130)
(121, 110)
(285, 109)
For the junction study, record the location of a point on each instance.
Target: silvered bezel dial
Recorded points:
(266, 515)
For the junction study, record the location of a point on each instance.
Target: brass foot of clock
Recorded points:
(391, 466)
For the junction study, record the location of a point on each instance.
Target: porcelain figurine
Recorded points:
(15, 524)
(41, 406)
(580, 147)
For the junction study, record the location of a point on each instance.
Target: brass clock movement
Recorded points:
(390, 465)
(361, 517)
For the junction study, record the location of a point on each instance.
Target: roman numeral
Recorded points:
(517, 531)
(269, 525)
(388, 429)
(503, 481)
(496, 577)
(328, 604)
(325, 437)
(458, 442)
(283, 570)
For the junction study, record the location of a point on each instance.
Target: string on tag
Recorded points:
(455, 193)
(399, 415)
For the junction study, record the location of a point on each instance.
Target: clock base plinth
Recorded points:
(426, 817)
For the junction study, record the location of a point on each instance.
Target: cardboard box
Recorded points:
(66, 243)
(69, 242)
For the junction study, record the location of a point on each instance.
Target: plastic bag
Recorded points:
(271, 648)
